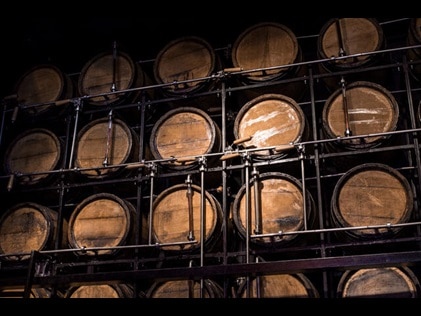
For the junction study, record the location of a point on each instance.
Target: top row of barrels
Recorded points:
(264, 52)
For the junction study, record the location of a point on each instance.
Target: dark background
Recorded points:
(71, 40)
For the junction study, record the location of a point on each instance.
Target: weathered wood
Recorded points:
(97, 75)
(92, 142)
(35, 150)
(266, 45)
(44, 85)
(371, 109)
(101, 291)
(390, 282)
(27, 227)
(101, 220)
(280, 286)
(281, 204)
(371, 194)
(185, 289)
(270, 120)
(183, 59)
(184, 132)
(171, 217)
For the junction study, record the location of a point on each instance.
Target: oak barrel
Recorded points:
(271, 120)
(108, 291)
(188, 58)
(280, 205)
(110, 72)
(27, 227)
(371, 109)
(41, 86)
(33, 155)
(101, 220)
(267, 45)
(103, 140)
(279, 286)
(371, 194)
(35, 292)
(185, 289)
(351, 36)
(184, 132)
(382, 282)
(176, 218)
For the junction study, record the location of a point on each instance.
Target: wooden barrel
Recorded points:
(190, 59)
(370, 108)
(382, 282)
(279, 207)
(266, 45)
(176, 218)
(351, 36)
(185, 289)
(371, 194)
(279, 286)
(35, 292)
(108, 291)
(105, 140)
(110, 72)
(101, 220)
(27, 227)
(270, 120)
(184, 132)
(32, 154)
(40, 87)
(414, 54)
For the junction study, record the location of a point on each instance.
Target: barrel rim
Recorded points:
(116, 98)
(215, 231)
(310, 207)
(41, 178)
(131, 151)
(200, 85)
(303, 133)
(334, 208)
(371, 58)
(281, 71)
(406, 271)
(57, 69)
(48, 213)
(129, 211)
(122, 290)
(215, 141)
(416, 36)
(212, 289)
(304, 280)
(355, 85)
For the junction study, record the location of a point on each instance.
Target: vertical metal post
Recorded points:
(202, 168)
(113, 85)
(225, 207)
(189, 195)
(342, 51)
(303, 183)
(139, 232)
(348, 131)
(258, 229)
(258, 284)
(31, 273)
(78, 105)
(246, 158)
(109, 139)
(151, 176)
